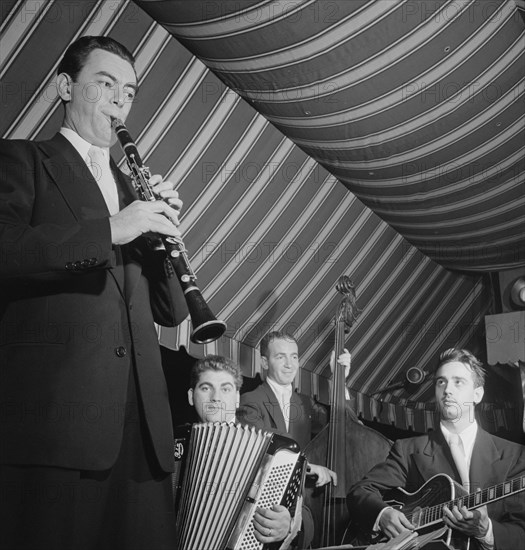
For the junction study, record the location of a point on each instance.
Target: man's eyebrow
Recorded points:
(112, 77)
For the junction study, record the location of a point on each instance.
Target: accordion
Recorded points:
(223, 473)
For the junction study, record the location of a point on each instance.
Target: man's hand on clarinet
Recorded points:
(165, 190)
(139, 217)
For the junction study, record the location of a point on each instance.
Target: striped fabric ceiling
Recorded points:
(312, 139)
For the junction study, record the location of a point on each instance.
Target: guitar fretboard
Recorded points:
(434, 514)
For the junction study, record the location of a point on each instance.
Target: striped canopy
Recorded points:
(382, 140)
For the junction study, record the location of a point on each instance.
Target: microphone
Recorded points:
(413, 377)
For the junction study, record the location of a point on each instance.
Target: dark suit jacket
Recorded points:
(261, 409)
(415, 460)
(75, 314)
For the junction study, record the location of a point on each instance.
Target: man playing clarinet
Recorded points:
(87, 441)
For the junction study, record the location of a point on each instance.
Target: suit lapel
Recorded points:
(486, 459)
(436, 457)
(298, 425)
(274, 409)
(131, 253)
(79, 189)
(73, 179)
(126, 192)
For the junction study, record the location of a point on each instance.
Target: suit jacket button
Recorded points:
(121, 351)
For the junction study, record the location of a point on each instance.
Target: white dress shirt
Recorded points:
(284, 395)
(105, 180)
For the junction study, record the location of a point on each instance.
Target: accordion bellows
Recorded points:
(229, 470)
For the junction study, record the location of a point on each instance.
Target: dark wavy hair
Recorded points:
(215, 363)
(467, 358)
(77, 53)
(270, 337)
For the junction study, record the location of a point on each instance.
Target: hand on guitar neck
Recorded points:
(472, 523)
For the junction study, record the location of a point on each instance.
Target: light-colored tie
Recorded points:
(458, 454)
(286, 396)
(99, 166)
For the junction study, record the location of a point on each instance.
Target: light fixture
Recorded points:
(517, 292)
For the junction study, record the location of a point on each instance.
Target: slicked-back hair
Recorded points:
(270, 337)
(77, 53)
(467, 358)
(215, 363)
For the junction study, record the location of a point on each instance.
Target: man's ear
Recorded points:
(64, 85)
(478, 394)
(237, 399)
(264, 362)
(190, 397)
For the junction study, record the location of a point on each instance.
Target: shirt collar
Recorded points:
(79, 143)
(281, 392)
(468, 436)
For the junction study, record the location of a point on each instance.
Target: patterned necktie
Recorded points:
(458, 454)
(99, 166)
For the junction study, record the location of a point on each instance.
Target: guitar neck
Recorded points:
(434, 514)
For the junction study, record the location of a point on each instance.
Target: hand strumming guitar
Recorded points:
(393, 522)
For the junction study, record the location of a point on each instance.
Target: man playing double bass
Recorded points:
(274, 406)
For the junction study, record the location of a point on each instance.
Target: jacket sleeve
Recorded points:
(365, 500)
(251, 412)
(509, 526)
(168, 303)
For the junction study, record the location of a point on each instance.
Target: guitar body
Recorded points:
(438, 489)
(422, 508)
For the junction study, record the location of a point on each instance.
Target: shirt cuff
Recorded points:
(487, 542)
(375, 528)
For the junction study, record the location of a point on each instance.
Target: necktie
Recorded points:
(458, 454)
(286, 395)
(99, 166)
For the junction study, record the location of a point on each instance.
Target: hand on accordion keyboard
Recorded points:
(272, 525)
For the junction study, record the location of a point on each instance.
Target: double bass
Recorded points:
(344, 445)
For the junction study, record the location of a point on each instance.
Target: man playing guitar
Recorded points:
(493, 521)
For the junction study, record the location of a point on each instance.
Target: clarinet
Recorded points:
(206, 328)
